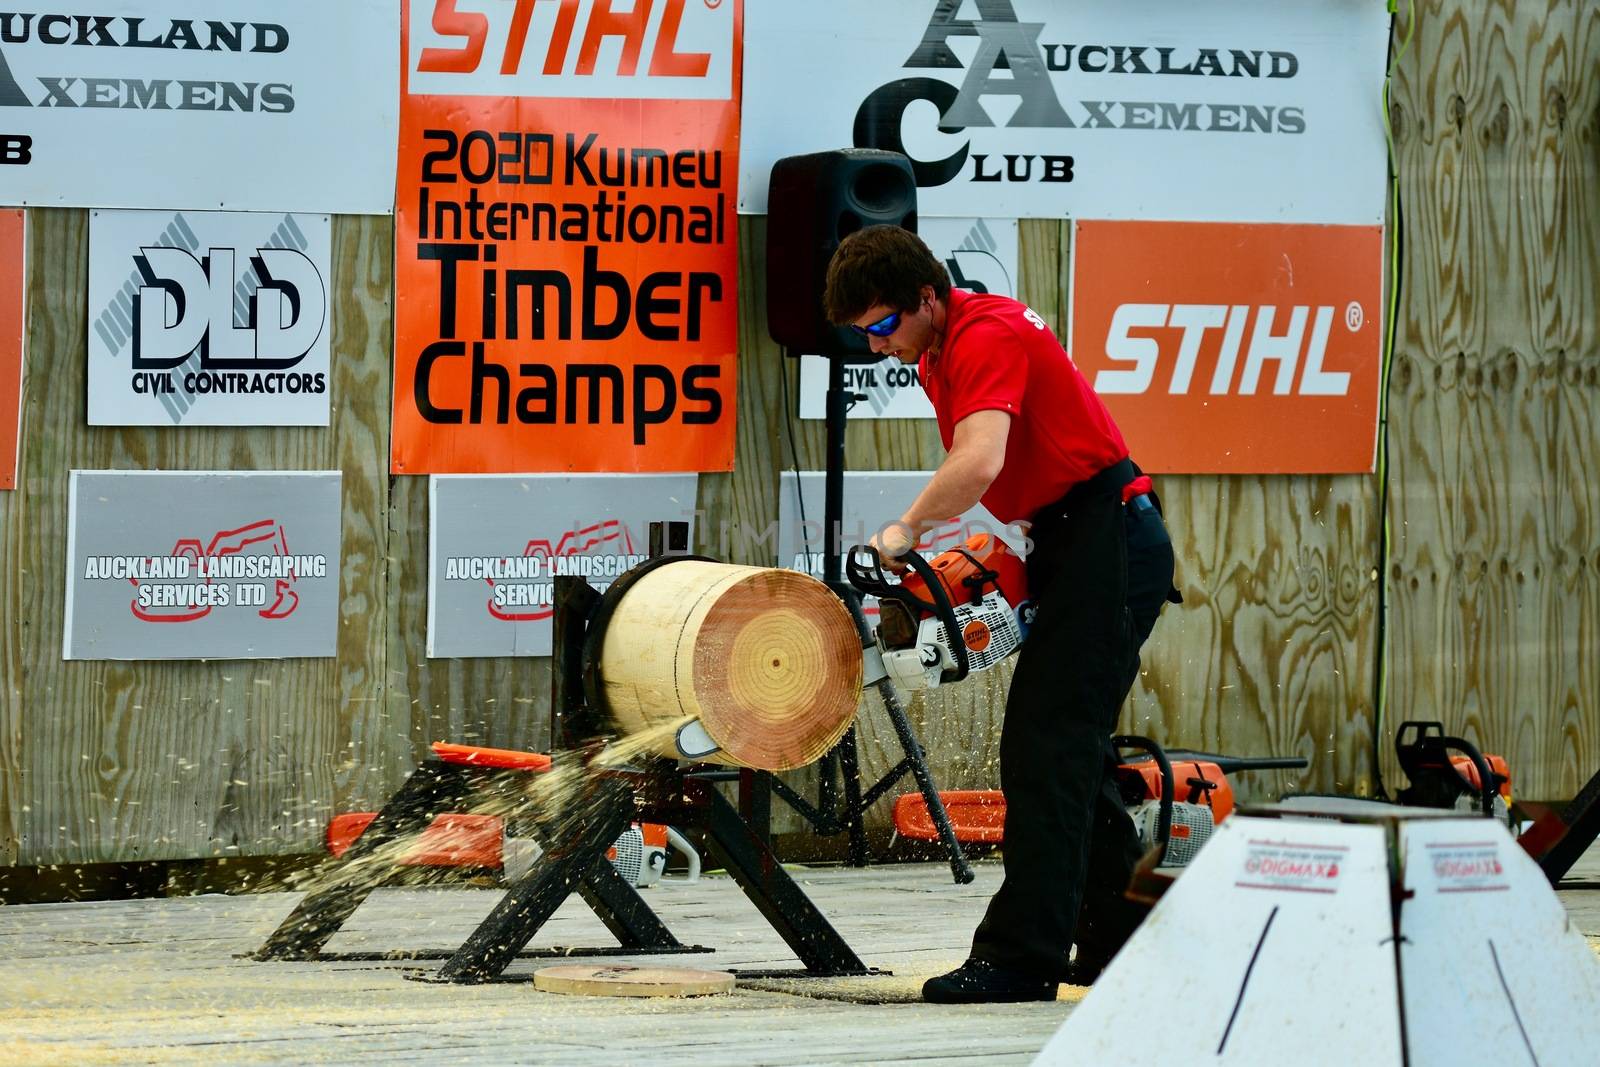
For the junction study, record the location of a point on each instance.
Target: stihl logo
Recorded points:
(1296, 349)
(654, 48)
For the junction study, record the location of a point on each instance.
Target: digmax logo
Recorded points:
(660, 49)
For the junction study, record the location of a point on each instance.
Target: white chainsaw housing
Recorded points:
(989, 628)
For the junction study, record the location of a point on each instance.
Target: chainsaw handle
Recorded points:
(1416, 741)
(1169, 784)
(873, 582)
(1486, 777)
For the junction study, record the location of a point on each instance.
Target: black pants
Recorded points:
(1099, 572)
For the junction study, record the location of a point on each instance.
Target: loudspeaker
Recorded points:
(814, 202)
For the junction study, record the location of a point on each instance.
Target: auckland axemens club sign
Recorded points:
(1014, 60)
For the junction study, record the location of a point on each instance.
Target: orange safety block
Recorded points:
(978, 816)
(505, 758)
(449, 841)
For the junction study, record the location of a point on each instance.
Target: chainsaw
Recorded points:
(1450, 772)
(965, 610)
(1177, 798)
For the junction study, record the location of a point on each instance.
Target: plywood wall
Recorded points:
(1483, 604)
(1494, 595)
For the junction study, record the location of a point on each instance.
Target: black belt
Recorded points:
(1108, 482)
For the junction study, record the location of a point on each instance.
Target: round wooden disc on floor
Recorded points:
(622, 980)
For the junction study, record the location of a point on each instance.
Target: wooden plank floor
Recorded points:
(157, 981)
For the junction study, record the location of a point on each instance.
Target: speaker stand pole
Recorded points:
(840, 400)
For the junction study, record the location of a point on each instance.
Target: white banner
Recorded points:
(981, 255)
(497, 542)
(202, 564)
(208, 318)
(1242, 111)
(288, 105)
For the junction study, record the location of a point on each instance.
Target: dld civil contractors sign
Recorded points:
(496, 544)
(286, 105)
(208, 319)
(202, 565)
(565, 245)
(1236, 110)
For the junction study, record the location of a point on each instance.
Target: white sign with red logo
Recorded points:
(1465, 866)
(202, 564)
(1291, 866)
(497, 542)
(872, 500)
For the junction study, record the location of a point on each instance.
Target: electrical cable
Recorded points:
(794, 452)
(1391, 317)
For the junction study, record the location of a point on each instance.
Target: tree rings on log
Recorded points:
(768, 660)
(621, 980)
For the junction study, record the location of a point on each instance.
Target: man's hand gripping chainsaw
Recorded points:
(964, 611)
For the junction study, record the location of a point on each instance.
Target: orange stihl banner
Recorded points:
(565, 237)
(1226, 348)
(13, 270)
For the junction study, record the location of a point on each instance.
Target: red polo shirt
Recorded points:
(999, 355)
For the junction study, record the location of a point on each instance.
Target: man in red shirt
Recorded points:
(1028, 436)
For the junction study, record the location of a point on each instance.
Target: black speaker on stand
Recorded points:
(813, 203)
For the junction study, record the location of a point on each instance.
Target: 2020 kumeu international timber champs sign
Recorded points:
(1233, 348)
(202, 565)
(565, 238)
(13, 278)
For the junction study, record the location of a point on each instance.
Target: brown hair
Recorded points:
(880, 265)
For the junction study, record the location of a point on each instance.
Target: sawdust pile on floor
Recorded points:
(876, 989)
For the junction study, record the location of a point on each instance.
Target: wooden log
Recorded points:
(768, 660)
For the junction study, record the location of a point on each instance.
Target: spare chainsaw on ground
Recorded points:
(965, 610)
(1175, 797)
(1450, 772)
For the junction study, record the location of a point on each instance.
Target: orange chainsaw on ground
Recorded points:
(1176, 799)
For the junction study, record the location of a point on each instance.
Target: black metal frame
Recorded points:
(827, 817)
(439, 786)
(575, 839)
(1582, 821)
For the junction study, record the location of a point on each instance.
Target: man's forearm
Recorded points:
(955, 488)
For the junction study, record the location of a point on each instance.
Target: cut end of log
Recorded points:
(777, 670)
(768, 660)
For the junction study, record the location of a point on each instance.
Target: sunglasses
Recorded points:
(882, 328)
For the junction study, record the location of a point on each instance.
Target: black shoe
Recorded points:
(1082, 971)
(981, 982)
